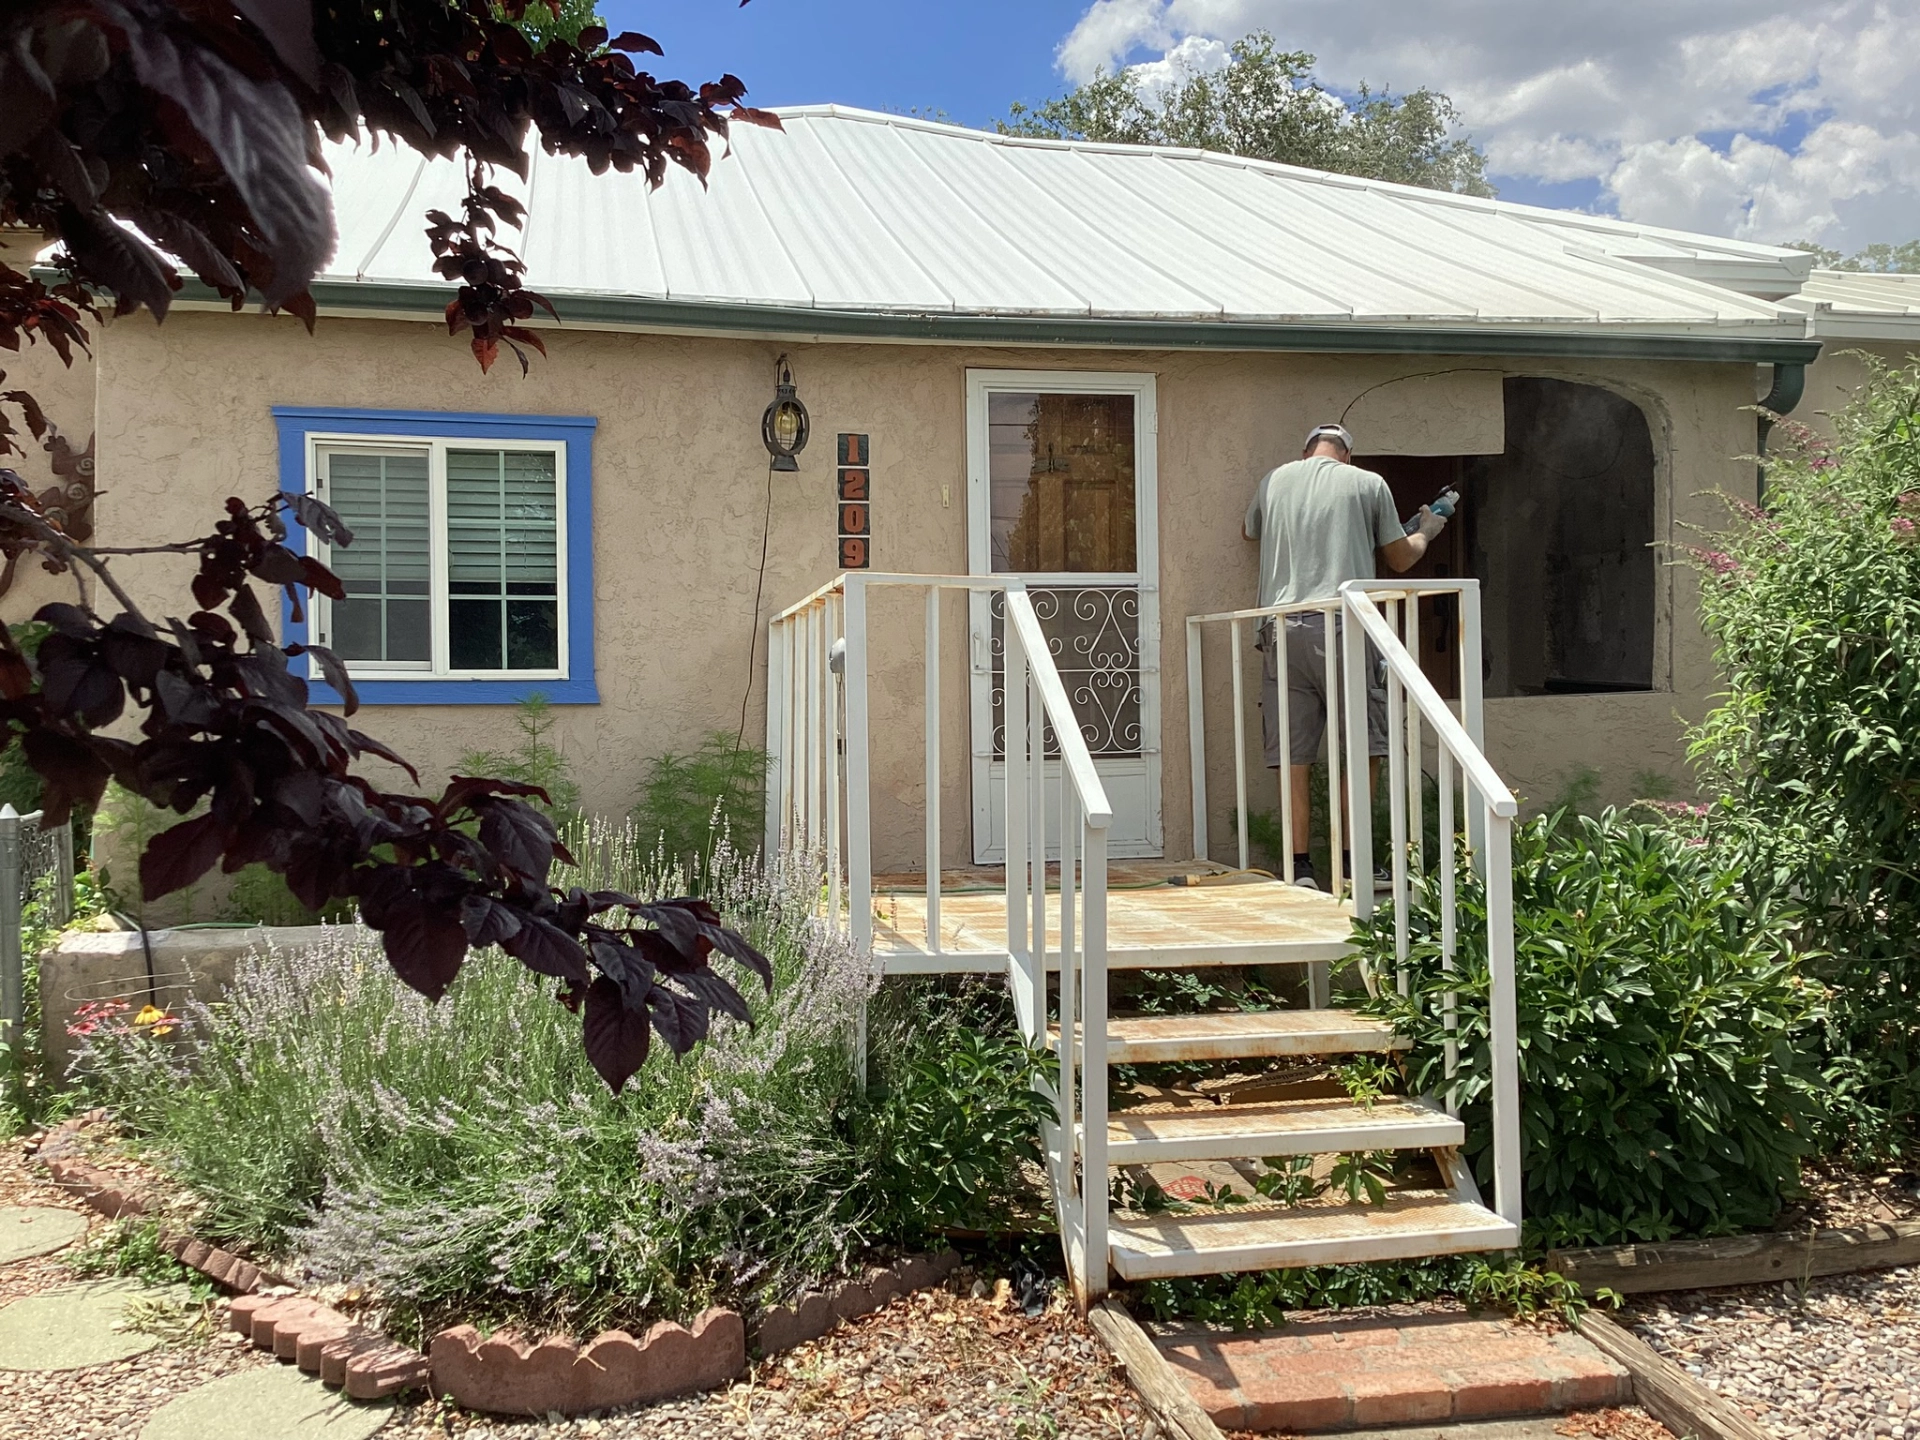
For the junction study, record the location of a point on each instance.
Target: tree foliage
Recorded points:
(140, 133)
(1880, 258)
(199, 127)
(1266, 103)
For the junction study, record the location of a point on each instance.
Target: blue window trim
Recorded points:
(296, 422)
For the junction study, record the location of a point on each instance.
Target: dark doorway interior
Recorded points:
(1559, 531)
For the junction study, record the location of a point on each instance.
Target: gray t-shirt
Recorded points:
(1319, 522)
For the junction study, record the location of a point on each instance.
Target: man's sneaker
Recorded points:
(1304, 877)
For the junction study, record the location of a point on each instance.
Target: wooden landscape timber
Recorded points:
(1739, 1259)
(1665, 1391)
(1152, 1378)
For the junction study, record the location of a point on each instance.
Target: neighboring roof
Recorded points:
(851, 223)
(1853, 305)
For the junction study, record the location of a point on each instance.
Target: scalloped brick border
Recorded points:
(104, 1192)
(507, 1374)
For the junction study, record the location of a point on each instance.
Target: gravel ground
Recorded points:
(1842, 1360)
(947, 1364)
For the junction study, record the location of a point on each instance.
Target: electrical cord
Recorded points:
(759, 592)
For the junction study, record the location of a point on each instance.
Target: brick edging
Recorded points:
(507, 1374)
(501, 1373)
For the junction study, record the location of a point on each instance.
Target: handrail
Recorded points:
(1074, 754)
(1358, 597)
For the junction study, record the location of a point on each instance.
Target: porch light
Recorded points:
(784, 427)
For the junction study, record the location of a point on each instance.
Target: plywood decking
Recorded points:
(1149, 922)
(1243, 1035)
(1278, 1127)
(1409, 1224)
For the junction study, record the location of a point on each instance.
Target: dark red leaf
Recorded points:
(617, 1039)
(543, 946)
(175, 858)
(425, 943)
(635, 43)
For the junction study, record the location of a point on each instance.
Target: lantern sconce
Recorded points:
(784, 427)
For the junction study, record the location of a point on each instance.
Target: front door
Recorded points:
(1061, 494)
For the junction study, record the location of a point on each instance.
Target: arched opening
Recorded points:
(1559, 530)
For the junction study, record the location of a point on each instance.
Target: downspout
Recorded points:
(1789, 384)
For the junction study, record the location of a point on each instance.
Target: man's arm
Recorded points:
(1403, 554)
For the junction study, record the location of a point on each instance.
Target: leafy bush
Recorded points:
(1662, 1023)
(1814, 755)
(951, 1115)
(691, 803)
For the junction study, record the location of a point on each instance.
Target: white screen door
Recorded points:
(1061, 493)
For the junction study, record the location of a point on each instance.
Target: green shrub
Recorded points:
(951, 1114)
(1814, 755)
(1662, 1030)
(692, 802)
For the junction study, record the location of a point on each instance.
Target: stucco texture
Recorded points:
(1840, 371)
(681, 489)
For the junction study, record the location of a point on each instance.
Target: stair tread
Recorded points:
(1409, 1223)
(1279, 1127)
(1249, 1034)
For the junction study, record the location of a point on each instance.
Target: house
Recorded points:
(1069, 361)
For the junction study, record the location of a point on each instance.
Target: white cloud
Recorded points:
(1638, 96)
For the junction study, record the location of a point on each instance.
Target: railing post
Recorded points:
(1239, 745)
(1013, 716)
(1448, 921)
(833, 689)
(1397, 768)
(12, 981)
(933, 770)
(1473, 716)
(1416, 799)
(1037, 844)
(1503, 1017)
(1336, 707)
(859, 793)
(63, 871)
(1093, 1064)
(1197, 739)
(1359, 793)
(1294, 829)
(776, 737)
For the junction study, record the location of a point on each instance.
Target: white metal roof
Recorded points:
(852, 211)
(1850, 305)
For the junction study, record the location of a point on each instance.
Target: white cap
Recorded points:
(1329, 432)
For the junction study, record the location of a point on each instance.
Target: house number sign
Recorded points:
(853, 501)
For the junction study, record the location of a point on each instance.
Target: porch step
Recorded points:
(1251, 1035)
(1278, 1127)
(1409, 1225)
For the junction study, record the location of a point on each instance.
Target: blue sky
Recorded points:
(969, 59)
(1766, 119)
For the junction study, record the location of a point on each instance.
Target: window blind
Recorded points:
(387, 570)
(503, 560)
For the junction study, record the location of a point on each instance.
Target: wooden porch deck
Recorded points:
(1150, 922)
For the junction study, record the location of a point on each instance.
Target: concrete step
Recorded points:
(1277, 1127)
(1250, 1035)
(1408, 1225)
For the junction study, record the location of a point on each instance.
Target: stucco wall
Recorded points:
(681, 490)
(1840, 370)
(65, 393)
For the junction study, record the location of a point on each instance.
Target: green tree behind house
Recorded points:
(1266, 103)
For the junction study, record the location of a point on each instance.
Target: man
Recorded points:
(1321, 522)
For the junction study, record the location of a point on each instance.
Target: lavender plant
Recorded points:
(467, 1152)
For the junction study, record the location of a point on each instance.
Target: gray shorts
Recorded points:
(1306, 638)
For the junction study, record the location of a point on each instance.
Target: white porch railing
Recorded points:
(819, 795)
(1387, 614)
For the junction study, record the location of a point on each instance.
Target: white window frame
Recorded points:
(436, 448)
